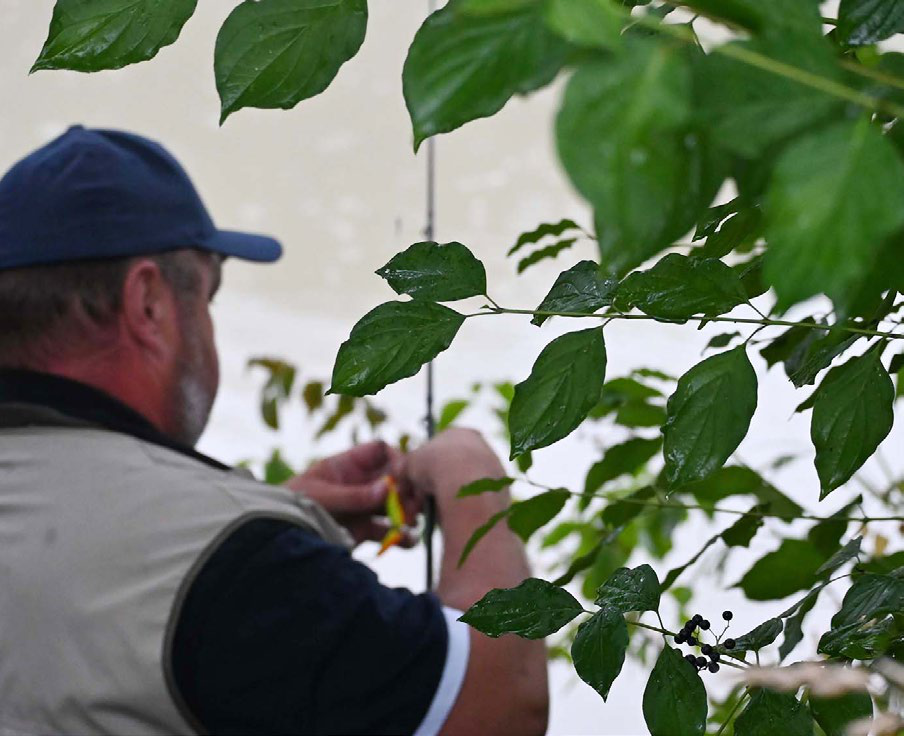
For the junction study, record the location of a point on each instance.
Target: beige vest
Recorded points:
(100, 535)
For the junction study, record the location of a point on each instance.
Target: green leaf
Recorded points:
(790, 568)
(312, 395)
(564, 385)
(739, 534)
(628, 457)
(896, 363)
(480, 533)
(620, 512)
(277, 471)
(621, 391)
(835, 714)
(91, 35)
(711, 219)
(593, 23)
(598, 650)
(492, 7)
(769, 713)
(674, 700)
(484, 485)
(862, 22)
(276, 53)
(533, 610)
(871, 596)
(586, 560)
(742, 532)
(679, 287)
(581, 289)
(751, 274)
(832, 200)
(629, 590)
(737, 232)
(345, 405)
(676, 572)
(884, 564)
(738, 480)
(815, 355)
(525, 517)
(450, 412)
(842, 556)
(762, 636)
(762, 15)
(722, 341)
(461, 66)
(637, 414)
(708, 416)
(751, 111)
(277, 389)
(794, 625)
(860, 640)
(549, 252)
(392, 342)
(826, 535)
(435, 272)
(852, 414)
(625, 140)
(542, 231)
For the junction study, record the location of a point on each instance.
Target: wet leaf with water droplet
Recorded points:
(110, 34)
(276, 53)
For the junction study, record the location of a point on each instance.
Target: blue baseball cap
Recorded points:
(93, 194)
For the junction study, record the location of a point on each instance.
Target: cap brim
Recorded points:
(248, 247)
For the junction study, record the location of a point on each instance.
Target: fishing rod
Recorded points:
(429, 233)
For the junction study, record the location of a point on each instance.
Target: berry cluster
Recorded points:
(691, 634)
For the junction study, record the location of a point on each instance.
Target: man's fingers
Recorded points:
(341, 498)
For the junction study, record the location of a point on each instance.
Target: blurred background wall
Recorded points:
(336, 180)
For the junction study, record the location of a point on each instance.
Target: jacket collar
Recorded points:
(33, 398)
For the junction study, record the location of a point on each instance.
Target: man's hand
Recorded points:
(450, 460)
(352, 487)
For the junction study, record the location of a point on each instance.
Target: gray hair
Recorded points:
(44, 308)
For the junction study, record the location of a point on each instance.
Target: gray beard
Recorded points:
(193, 399)
(194, 405)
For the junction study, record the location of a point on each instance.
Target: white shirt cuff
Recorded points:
(453, 676)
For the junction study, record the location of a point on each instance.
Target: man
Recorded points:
(145, 588)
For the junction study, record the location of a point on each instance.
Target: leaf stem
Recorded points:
(731, 320)
(781, 69)
(757, 514)
(666, 632)
(719, 509)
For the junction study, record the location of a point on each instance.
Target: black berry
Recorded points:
(679, 637)
(689, 626)
(729, 644)
(697, 618)
(692, 640)
(691, 658)
(701, 661)
(715, 656)
(704, 624)
(713, 666)
(727, 615)
(706, 649)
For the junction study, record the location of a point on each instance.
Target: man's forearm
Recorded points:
(498, 561)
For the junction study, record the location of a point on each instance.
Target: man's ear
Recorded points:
(149, 309)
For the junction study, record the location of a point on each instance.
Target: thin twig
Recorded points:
(730, 320)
